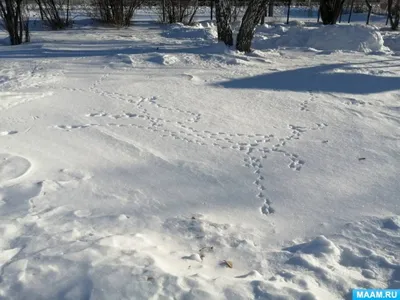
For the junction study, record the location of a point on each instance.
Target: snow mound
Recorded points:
(121, 60)
(318, 247)
(208, 233)
(392, 223)
(355, 37)
(164, 59)
(297, 23)
(345, 261)
(392, 41)
(201, 31)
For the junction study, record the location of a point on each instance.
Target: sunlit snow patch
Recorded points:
(358, 38)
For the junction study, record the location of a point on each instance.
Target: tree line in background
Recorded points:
(56, 15)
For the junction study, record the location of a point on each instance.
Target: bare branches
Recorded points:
(180, 11)
(115, 12)
(15, 17)
(54, 13)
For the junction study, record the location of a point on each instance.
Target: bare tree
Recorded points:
(251, 19)
(16, 21)
(55, 13)
(115, 12)
(179, 11)
(223, 15)
(330, 11)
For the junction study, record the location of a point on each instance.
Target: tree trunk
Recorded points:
(163, 11)
(271, 8)
(67, 19)
(330, 11)
(394, 14)
(211, 8)
(251, 18)
(262, 22)
(223, 16)
(40, 10)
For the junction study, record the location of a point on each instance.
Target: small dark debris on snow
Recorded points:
(207, 248)
(325, 141)
(362, 158)
(227, 263)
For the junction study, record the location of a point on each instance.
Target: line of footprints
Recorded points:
(178, 126)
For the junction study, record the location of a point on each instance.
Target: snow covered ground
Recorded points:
(153, 163)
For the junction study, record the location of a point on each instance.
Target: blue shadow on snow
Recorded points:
(318, 78)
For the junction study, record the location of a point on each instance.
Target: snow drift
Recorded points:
(352, 37)
(200, 31)
(392, 41)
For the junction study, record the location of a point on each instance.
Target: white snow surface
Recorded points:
(392, 40)
(153, 163)
(341, 37)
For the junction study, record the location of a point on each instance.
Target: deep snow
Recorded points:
(135, 163)
(325, 38)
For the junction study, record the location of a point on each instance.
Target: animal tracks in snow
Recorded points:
(178, 124)
(147, 113)
(70, 127)
(305, 103)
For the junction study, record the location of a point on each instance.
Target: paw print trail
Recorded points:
(180, 124)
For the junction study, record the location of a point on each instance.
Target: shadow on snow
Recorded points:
(321, 78)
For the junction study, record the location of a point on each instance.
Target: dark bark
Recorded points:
(271, 8)
(250, 20)
(223, 14)
(27, 32)
(114, 12)
(369, 10)
(194, 13)
(394, 14)
(164, 19)
(39, 3)
(15, 20)
(53, 13)
(177, 11)
(330, 11)
(68, 7)
(262, 22)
